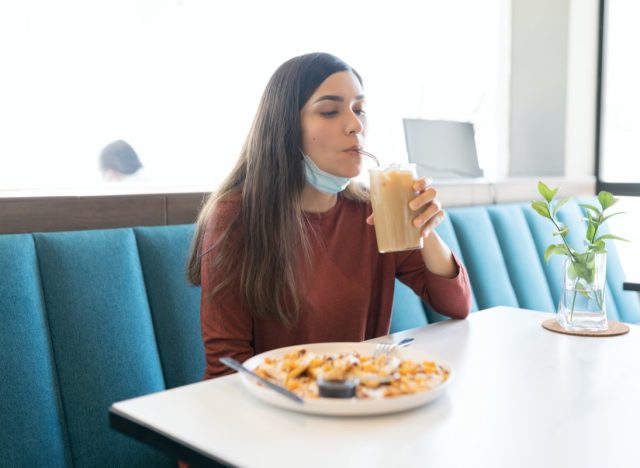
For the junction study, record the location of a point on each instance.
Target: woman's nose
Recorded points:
(354, 124)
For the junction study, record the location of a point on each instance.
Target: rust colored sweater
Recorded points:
(346, 295)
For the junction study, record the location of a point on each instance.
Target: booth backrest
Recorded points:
(93, 317)
(89, 318)
(502, 247)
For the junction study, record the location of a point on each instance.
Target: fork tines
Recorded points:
(382, 349)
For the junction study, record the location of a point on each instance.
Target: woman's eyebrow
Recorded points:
(331, 97)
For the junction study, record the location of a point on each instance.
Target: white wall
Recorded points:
(582, 82)
(538, 86)
(553, 87)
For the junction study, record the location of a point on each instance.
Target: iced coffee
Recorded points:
(391, 191)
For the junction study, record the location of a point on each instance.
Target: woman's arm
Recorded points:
(450, 296)
(435, 274)
(436, 254)
(227, 328)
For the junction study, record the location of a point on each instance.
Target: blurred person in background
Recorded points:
(119, 162)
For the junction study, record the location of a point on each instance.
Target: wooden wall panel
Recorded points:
(39, 214)
(183, 208)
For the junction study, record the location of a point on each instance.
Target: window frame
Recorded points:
(617, 188)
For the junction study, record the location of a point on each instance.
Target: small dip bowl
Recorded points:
(337, 388)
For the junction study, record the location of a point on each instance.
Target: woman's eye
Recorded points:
(329, 113)
(360, 111)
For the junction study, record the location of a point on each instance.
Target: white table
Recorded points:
(522, 397)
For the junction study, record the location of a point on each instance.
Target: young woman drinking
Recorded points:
(286, 251)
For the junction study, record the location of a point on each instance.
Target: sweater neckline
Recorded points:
(319, 216)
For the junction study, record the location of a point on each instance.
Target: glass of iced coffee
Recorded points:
(391, 190)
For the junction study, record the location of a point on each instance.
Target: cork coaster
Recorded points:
(615, 329)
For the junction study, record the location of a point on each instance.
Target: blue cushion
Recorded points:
(521, 257)
(483, 257)
(33, 432)
(103, 339)
(407, 310)
(503, 247)
(175, 304)
(627, 303)
(447, 233)
(541, 229)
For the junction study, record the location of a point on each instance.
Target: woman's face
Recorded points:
(333, 125)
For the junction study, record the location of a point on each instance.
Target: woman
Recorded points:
(286, 251)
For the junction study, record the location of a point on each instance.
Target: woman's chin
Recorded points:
(353, 171)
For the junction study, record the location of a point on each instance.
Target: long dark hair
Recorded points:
(270, 176)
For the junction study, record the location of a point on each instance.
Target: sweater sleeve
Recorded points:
(227, 327)
(448, 296)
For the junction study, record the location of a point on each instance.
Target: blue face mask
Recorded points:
(321, 180)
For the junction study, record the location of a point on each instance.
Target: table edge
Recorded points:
(161, 442)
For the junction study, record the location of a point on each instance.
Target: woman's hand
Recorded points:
(427, 205)
(429, 210)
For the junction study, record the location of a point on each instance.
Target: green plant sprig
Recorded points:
(595, 217)
(582, 268)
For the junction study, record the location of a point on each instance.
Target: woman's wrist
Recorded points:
(437, 256)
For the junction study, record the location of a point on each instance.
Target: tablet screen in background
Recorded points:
(442, 149)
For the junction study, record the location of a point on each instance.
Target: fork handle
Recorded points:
(405, 342)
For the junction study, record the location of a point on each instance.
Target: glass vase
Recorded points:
(582, 305)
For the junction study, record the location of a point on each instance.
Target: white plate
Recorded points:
(345, 407)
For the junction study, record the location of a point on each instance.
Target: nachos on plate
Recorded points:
(378, 377)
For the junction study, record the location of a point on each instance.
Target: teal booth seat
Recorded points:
(90, 318)
(93, 317)
(502, 247)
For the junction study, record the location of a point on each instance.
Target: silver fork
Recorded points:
(384, 349)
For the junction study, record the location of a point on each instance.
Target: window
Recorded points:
(180, 80)
(618, 158)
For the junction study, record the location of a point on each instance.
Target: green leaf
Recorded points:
(562, 232)
(606, 199)
(561, 249)
(546, 192)
(541, 208)
(549, 252)
(583, 292)
(591, 231)
(560, 204)
(585, 266)
(612, 214)
(598, 246)
(610, 236)
(595, 209)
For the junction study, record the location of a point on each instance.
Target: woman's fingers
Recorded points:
(422, 183)
(429, 210)
(427, 205)
(425, 197)
(432, 224)
(433, 209)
